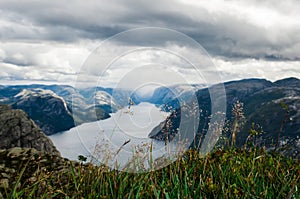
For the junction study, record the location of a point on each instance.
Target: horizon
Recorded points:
(33, 83)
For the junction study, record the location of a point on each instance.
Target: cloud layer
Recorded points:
(50, 40)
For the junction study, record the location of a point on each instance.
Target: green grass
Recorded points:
(233, 173)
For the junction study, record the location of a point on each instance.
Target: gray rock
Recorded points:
(23, 168)
(18, 130)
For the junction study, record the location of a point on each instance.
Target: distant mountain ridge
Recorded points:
(262, 105)
(58, 108)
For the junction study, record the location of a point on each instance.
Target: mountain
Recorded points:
(87, 105)
(164, 95)
(288, 82)
(262, 100)
(56, 108)
(43, 103)
(269, 113)
(18, 130)
(49, 111)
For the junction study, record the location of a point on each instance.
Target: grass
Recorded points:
(232, 173)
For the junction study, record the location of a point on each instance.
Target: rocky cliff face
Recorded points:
(18, 130)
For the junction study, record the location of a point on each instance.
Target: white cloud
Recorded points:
(42, 61)
(252, 68)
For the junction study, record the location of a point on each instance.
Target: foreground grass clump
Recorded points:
(233, 173)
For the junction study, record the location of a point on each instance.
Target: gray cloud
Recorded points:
(231, 33)
(36, 35)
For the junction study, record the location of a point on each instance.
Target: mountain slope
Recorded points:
(261, 99)
(48, 110)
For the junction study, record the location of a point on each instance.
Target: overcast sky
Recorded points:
(49, 41)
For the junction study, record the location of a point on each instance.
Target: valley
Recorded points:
(57, 109)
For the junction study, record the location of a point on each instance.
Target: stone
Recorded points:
(18, 130)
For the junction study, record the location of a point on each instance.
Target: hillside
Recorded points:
(262, 105)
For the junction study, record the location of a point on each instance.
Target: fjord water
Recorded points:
(130, 123)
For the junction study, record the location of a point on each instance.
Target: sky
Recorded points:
(54, 41)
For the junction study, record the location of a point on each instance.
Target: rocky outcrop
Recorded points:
(23, 167)
(18, 130)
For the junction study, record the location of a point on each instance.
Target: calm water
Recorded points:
(107, 136)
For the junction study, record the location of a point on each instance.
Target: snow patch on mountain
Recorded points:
(103, 98)
(38, 92)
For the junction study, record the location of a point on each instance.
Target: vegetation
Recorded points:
(233, 173)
